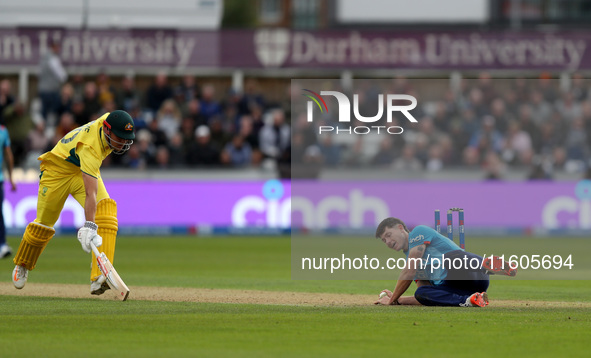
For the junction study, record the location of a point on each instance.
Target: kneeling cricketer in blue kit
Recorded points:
(445, 274)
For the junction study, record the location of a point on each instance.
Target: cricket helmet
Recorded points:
(121, 124)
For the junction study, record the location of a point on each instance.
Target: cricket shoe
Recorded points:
(19, 276)
(495, 265)
(477, 299)
(5, 251)
(99, 286)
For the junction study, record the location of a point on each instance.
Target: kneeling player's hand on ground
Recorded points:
(384, 297)
(383, 301)
(88, 233)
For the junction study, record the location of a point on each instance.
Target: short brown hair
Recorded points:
(388, 223)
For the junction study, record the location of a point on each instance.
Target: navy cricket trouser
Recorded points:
(459, 284)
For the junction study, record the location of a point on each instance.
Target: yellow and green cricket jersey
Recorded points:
(83, 149)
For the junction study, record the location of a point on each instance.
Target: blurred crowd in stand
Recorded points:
(179, 123)
(487, 124)
(542, 125)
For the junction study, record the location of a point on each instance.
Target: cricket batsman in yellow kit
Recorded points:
(73, 167)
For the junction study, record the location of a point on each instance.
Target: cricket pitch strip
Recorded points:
(201, 295)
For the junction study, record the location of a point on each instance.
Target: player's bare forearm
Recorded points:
(408, 273)
(91, 188)
(399, 290)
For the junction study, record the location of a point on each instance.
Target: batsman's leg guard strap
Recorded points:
(106, 219)
(34, 240)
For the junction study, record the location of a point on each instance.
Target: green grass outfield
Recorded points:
(74, 327)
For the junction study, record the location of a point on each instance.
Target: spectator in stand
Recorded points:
(202, 152)
(19, 123)
(459, 141)
(127, 96)
(560, 126)
(256, 113)
(384, 156)
(133, 158)
(538, 172)
(568, 108)
(66, 99)
(577, 147)
(187, 133)
(540, 109)
(92, 105)
(250, 97)
(187, 90)
(522, 89)
(162, 158)
(51, 77)
(209, 106)
(66, 125)
(176, 151)
(36, 144)
(559, 158)
(139, 118)
(486, 87)
(237, 153)
(447, 154)
(6, 97)
(517, 144)
(469, 122)
(546, 85)
(146, 148)
(499, 112)
(247, 131)
(158, 135)
(488, 138)
(332, 152)
(78, 83)
(428, 130)
(192, 110)
(441, 118)
(493, 166)
(476, 103)
(511, 102)
(78, 111)
(407, 162)
(274, 137)
(527, 124)
(158, 92)
(105, 90)
(471, 158)
(434, 162)
(579, 88)
(548, 139)
(230, 118)
(108, 106)
(169, 118)
(219, 136)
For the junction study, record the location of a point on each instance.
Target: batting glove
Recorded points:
(86, 234)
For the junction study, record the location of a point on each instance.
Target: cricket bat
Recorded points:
(113, 279)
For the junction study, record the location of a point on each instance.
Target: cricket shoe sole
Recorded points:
(19, 276)
(479, 299)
